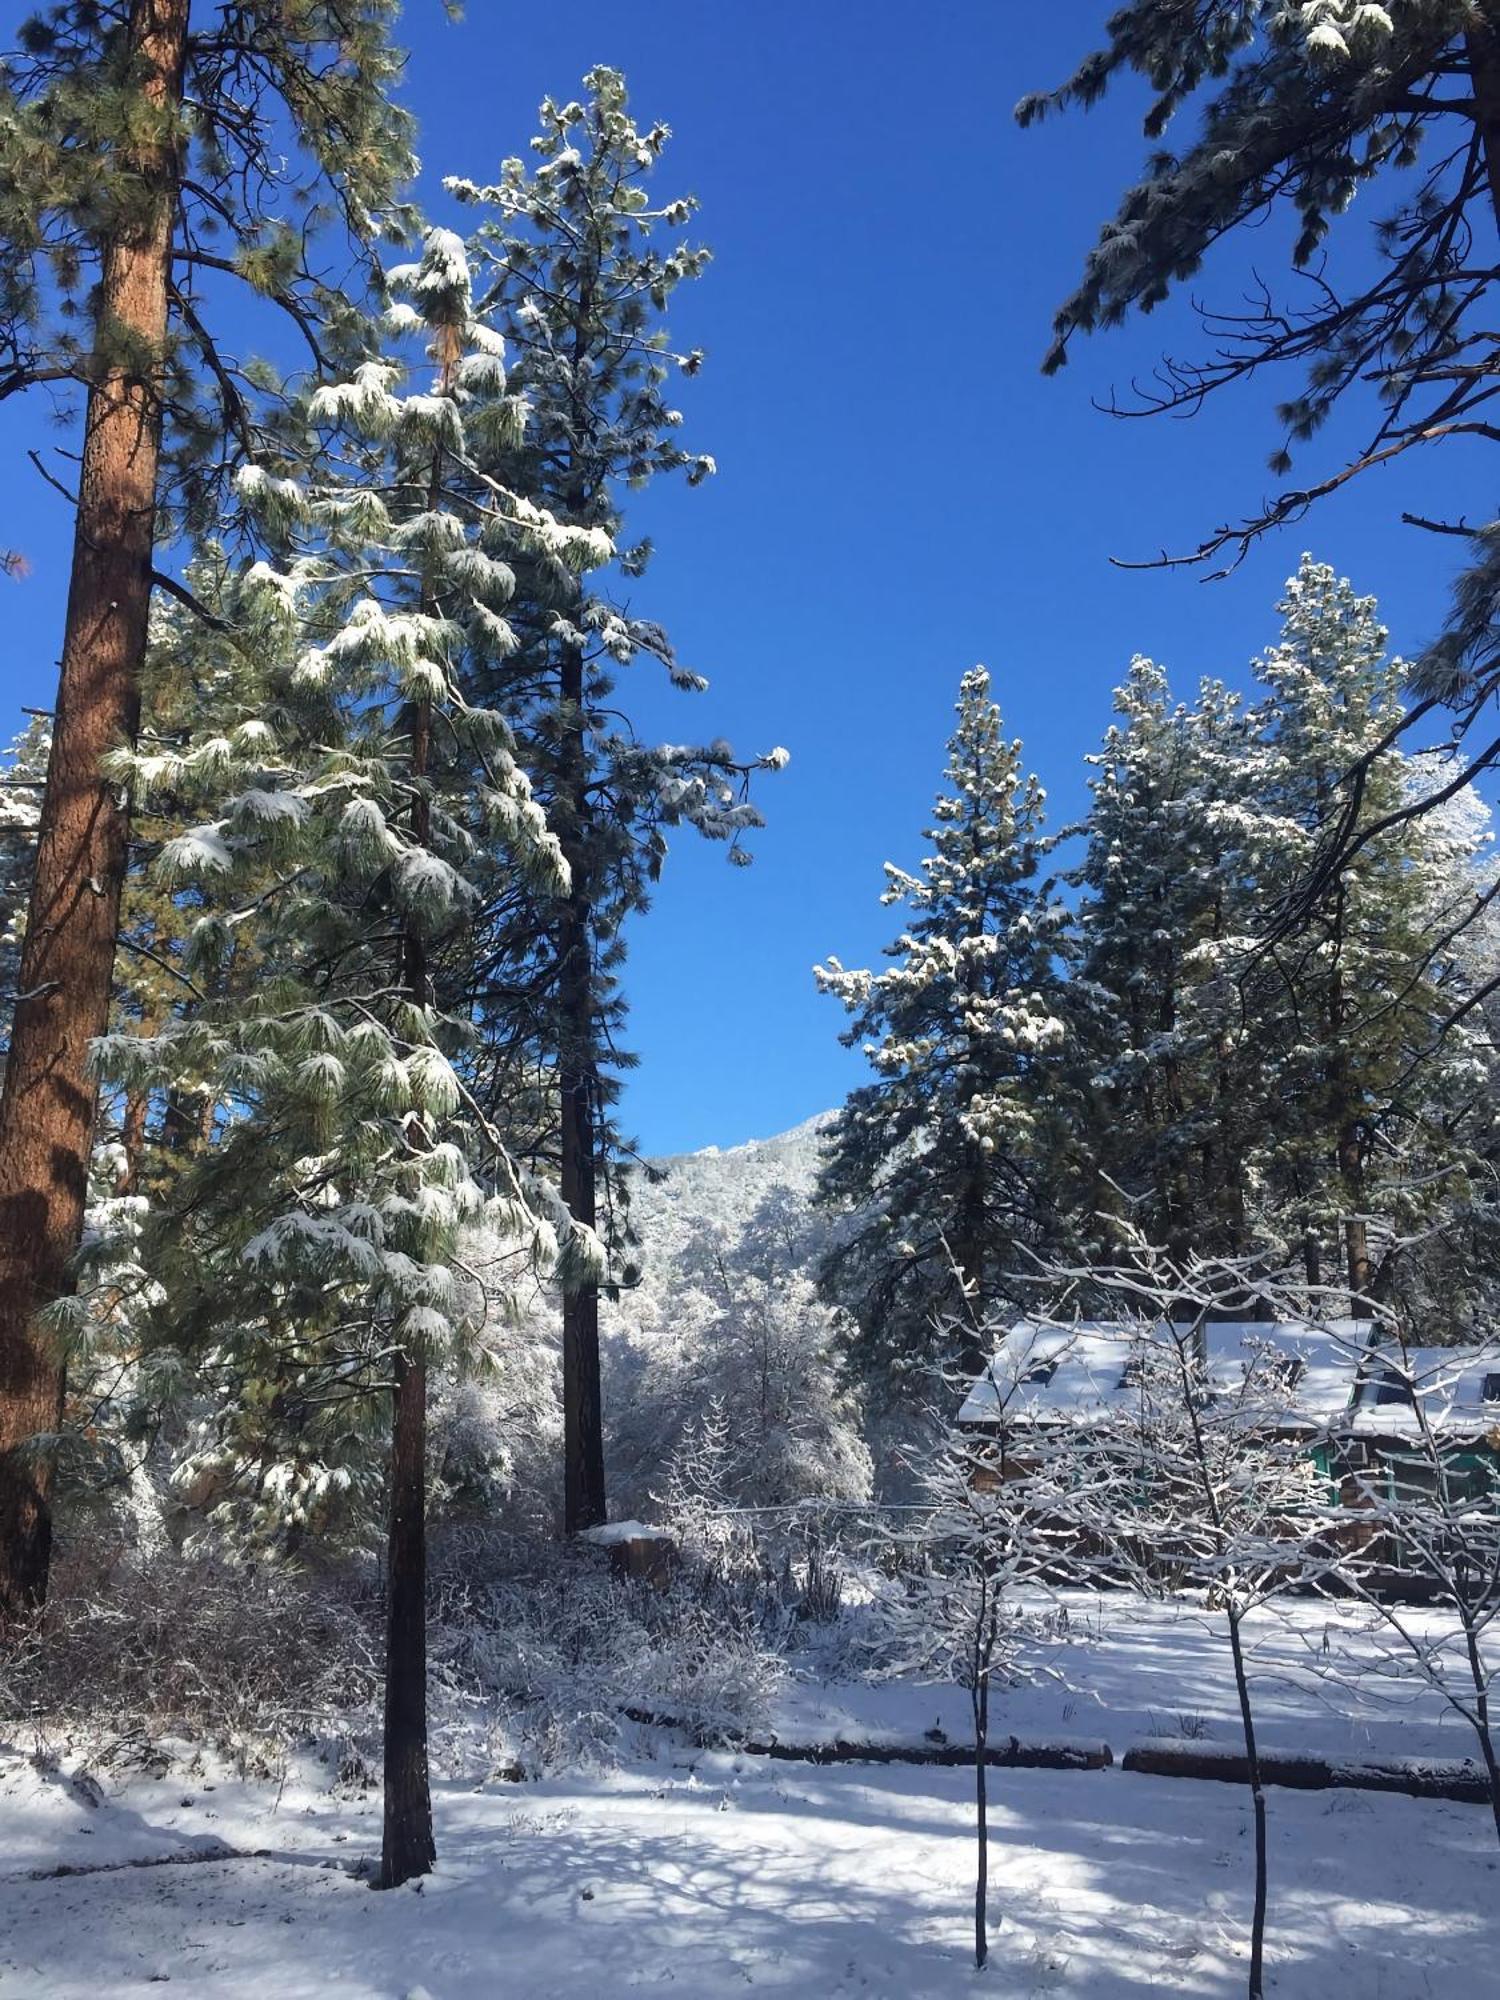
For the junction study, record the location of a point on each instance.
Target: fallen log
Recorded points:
(209, 1849)
(1461, 1780)
(1004, 1752)
(1008, 1753)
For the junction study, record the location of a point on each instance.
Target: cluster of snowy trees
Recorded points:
(312, 886)
(1135, 1025)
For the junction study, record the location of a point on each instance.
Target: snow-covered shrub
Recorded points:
(822, 1583)
(571, 1653)
(697, 1504)
(247, 1660)
(712, 1671)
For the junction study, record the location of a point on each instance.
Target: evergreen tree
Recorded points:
(1367, 1113)
(1168, 880)
(579, 262)
(950, 1154)
(143, 164)
(311, 1260)
(1249, 1097)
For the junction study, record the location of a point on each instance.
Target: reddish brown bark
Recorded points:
(48, 1105)
(133, 1141)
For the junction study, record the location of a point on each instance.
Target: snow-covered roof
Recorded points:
(1334, 1375)
(1458, 1387)
(1082, 1371)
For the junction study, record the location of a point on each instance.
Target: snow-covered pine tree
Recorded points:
(578, 261)
(310, 1262)
(152, 156)
(950, 1157)
(1167, 881)
(1370, 1109)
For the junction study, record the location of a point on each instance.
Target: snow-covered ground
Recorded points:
(1128, 1670)
(709, 1873)
(739, 1874)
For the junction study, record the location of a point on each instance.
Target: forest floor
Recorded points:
(708, 1872)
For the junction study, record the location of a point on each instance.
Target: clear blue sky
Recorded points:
(900, 492)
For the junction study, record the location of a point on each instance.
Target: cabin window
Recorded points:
(1389, 1388)
(1491, 1390)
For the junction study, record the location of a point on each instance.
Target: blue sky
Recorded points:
(900, 492)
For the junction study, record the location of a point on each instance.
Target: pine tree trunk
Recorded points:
(1357, 1257)
(50, 1097)
(183, 1120)
(968, 1255)
(1312, 1259)
(407, 1847)
(133, 1141)
(584, 1502)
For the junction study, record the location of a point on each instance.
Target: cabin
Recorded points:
(1455, 1391)
(1353, 1399)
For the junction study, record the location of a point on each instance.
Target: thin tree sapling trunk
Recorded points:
(1258, 1803)
(981, 1699)
(1192, 1377)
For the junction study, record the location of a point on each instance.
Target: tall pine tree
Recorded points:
(1362, 1124)
(948, 1156)
(578, 261)
(1168, 884)
(146, 158)
(310, 1262)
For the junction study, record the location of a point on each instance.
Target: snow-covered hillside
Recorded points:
(751, 1204)
(724, 1313)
